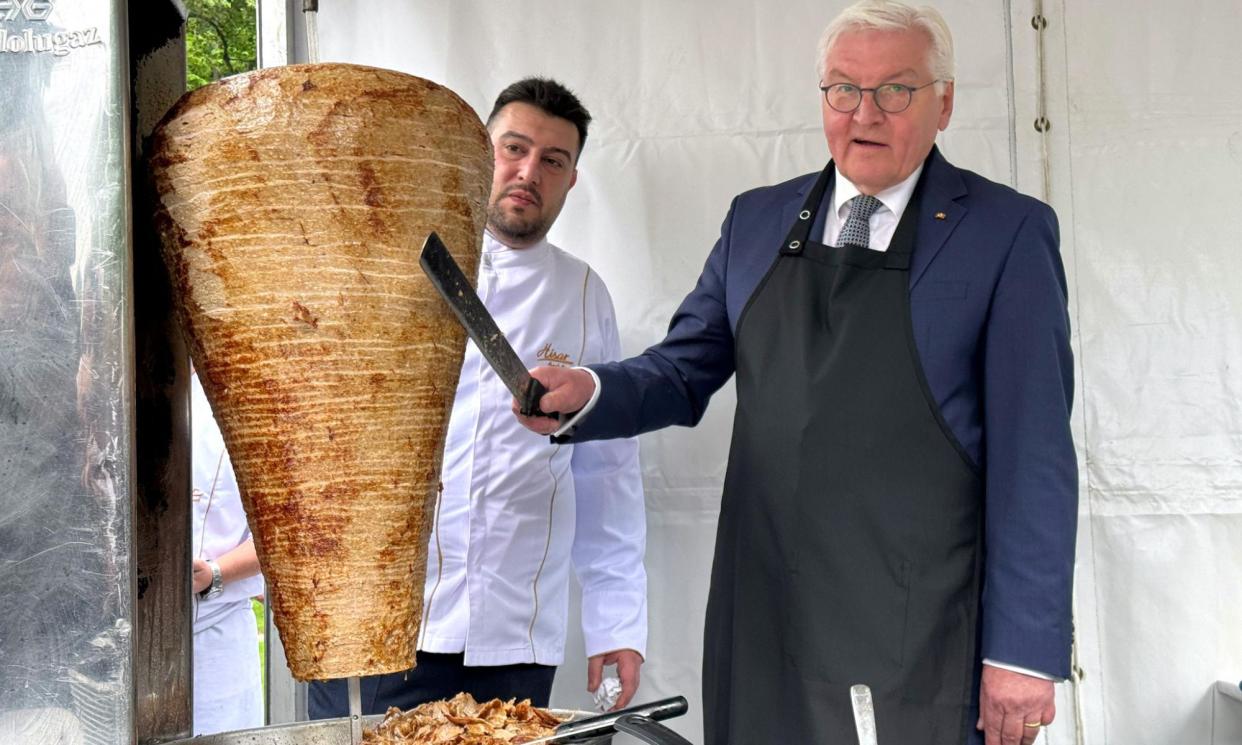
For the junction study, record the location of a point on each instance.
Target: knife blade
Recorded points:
(449, 280)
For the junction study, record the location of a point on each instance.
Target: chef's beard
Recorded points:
(514, 227)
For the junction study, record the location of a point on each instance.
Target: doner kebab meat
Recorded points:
(292, 203)
(463, 721)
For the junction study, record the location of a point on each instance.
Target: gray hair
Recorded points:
(890, 15)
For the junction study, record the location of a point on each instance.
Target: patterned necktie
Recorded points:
(857, 231)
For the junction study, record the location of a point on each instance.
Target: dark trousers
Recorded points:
(437, 676)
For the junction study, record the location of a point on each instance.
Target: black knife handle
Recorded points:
(597, 725)
(529, 405)
(649, 730)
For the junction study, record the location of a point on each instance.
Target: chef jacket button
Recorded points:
(794, 245)
(804, 215)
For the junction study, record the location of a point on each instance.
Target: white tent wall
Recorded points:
(1146, 174)
(695, 101)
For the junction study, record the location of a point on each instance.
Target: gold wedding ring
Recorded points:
(1033, 725)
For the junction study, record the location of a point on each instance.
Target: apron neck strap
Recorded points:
(800, 233)
(900, 248)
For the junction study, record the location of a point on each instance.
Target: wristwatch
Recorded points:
(217, 582)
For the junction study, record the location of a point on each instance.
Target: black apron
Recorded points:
(850, 539)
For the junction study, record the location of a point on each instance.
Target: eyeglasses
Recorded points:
(892, 98)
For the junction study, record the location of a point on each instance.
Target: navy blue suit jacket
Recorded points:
(988, 307)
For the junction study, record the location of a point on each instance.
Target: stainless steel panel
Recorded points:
(326, 732)
(66, 615)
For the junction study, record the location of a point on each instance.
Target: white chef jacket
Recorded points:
(516, 510)
(228, 692)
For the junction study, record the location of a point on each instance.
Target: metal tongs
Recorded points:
(638, 721)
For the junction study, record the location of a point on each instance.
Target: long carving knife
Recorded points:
(458, 292)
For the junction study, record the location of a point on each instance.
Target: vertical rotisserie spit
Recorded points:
(292, 203)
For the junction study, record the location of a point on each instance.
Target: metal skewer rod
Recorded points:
(310, 13)
(355, 709)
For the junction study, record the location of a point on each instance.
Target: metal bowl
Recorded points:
(326, 732)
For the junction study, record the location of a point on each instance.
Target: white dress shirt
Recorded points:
(883, 222)
(219, 521)
(517, 511)
(228, 682)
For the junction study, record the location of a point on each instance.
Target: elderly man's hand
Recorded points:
(1009, 702)
(568, 391)
(627, 661)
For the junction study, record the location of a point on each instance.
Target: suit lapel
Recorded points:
(940, 213)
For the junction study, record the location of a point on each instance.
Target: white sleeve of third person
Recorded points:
(611, 530)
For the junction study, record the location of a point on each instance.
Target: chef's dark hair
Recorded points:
(549, 96)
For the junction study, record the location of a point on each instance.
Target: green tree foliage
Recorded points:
(220, 39)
